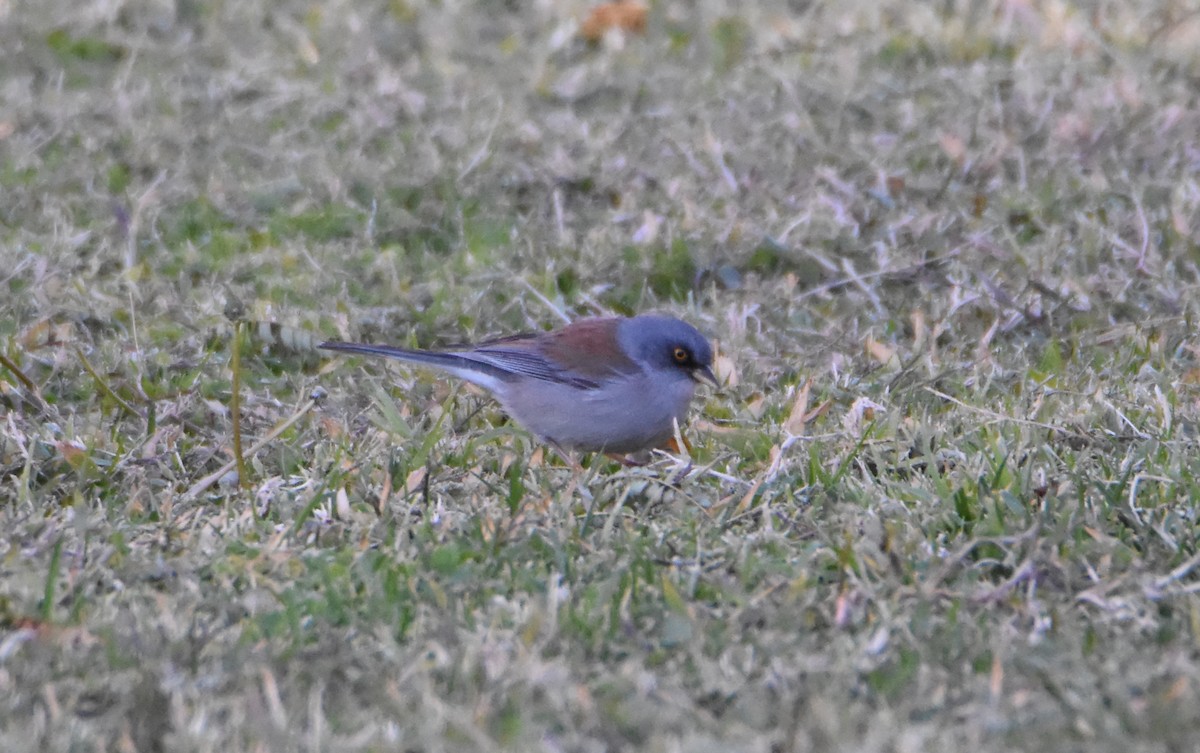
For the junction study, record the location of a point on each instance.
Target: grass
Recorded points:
(944, 499)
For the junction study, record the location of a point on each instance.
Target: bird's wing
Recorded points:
(582, 354)
(528, 363)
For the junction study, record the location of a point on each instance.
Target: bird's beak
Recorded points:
(705, 376)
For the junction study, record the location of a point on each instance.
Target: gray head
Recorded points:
(664, 342)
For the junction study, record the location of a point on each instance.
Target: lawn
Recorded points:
(949, 254)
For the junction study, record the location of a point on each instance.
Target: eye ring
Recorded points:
(681, 355)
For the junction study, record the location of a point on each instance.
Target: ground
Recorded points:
(943, 500)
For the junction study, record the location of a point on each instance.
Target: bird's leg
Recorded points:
(639, 460)
(674, 447)
(567, 456)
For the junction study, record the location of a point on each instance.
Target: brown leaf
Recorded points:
(626, 16)
(796, 419)
(883, 353)
(47, 334)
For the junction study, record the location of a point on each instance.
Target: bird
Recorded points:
(616, 385)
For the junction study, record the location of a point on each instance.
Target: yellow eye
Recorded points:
(681, 355)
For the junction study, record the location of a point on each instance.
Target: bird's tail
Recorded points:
(461, 366)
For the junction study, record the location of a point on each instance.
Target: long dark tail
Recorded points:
(445, 360)
(462, 366)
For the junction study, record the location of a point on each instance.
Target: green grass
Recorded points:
(944, 500)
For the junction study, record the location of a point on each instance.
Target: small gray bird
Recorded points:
(615, 385)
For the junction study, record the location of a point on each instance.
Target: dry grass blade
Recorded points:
(200, 486)
(31, 390)
(103, 385)
(235, 403)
